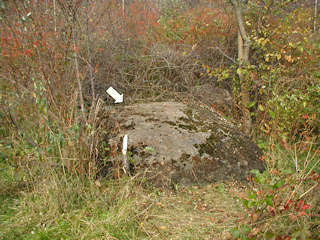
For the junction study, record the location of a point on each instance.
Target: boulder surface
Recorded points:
(177, 143)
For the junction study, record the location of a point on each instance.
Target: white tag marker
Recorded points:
(124, 152)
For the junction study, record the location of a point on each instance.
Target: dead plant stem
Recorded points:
(77, 70)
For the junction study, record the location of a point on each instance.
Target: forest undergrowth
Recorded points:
(59, 57)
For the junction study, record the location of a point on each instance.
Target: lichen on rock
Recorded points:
(172, 142)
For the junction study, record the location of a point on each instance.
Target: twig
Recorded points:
(302, 195)
(137, 215)
(231, 59)
(195, 177)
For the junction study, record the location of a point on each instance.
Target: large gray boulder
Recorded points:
(175, 143)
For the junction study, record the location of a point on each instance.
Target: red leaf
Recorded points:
(289, 201)
(304, 207)
(301, 214)
(292, 217)
(300, 203)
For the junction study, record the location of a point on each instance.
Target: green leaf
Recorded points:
(247, 203)
(272, 114)
(269, 200)
(245, 228)
(235, 232)
(262, 145)
(2, 5)
(256, 172)
(278, 184)
(252, 195)
(304, 104)
(317, 74)
(296, 233)
(261, 180)
(251, 104)
(251, 204)
(269, 236)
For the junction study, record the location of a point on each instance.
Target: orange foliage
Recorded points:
(140, 19)
(199, 25)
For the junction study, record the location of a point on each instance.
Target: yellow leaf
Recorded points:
(97, 183)
(288, 58)
(261, 108)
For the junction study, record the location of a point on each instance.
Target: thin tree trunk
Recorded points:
(92, 113)
(244, 46)
(54, 16)
(93, 95)
(81, 101)
(240, 47)
(315, 15)
(243, 55)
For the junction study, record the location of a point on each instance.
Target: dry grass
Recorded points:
(64, 206)
(61, 207)
(195, 213)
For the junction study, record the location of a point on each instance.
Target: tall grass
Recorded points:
(61, 207)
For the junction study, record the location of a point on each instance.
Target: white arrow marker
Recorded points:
(115, 95)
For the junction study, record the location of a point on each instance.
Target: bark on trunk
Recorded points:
(243, 55)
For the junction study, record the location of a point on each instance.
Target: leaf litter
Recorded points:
(196, 212)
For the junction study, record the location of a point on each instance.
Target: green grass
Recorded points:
(76, 210)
